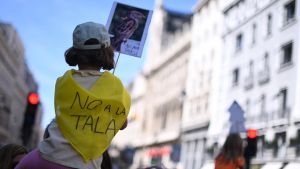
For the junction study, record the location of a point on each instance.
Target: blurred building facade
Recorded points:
(157, 107)
(16, 82)
(165, 71)
(234, 50)
(136, 127)
(260, 71)
(202, 85)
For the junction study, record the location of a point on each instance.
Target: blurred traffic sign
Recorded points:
(237, 120)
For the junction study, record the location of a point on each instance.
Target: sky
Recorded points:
(46, 26)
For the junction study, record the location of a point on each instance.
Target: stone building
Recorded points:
(157, 109)
(15, 84)
(131, 137)
(233, 50)
(202, 84)
(260, 70)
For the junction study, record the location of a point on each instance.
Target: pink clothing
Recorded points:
(33, 160)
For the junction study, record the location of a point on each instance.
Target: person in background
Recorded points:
(10, 155)
(231, 155)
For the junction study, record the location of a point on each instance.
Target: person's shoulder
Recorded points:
(114, 77)
(64, 74)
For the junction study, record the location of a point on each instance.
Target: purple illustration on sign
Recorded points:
(128, 27)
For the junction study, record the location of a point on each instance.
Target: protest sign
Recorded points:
(128, 28)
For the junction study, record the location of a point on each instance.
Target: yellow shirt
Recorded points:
(89, 119)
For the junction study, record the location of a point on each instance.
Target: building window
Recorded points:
(206, 102)
(283, 110)
(263, 105)
(239, 42)
(251, 68)
(201, 79)
(287, 52)
(260, 147)
(264, 73)
(280, 142)
(289, 11)
(253, 33)
(249, 80)
(283, 99)
(235, 80)
(269, 24)
(198, 108)
(247, 106)
(266, 61)
(164, 120)
(295, 142)
(4, 105)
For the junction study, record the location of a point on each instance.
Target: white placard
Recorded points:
(128, 28)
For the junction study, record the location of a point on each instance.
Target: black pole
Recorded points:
(247, 162)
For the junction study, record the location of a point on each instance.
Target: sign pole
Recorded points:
(116, 62)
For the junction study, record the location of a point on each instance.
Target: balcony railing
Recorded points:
(264, 76)
(249, 82)
(288, 21)
(280, 114)
(263, 117)
(258, 118)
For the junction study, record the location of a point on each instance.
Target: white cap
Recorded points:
(90, 30)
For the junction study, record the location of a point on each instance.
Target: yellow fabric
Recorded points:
(89, 119)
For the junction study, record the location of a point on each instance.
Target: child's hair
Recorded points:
(103, 57)
(91, 47)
